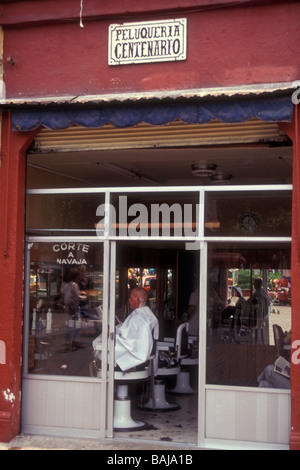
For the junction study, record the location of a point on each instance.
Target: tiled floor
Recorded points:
(178, 426)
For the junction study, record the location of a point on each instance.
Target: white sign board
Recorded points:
(149, 41)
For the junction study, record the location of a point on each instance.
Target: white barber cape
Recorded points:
(134, 338)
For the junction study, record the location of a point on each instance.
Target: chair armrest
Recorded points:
(163, 346)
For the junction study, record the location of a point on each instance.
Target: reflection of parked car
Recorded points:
(146, 281)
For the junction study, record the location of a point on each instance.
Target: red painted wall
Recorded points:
(12, 200)
(237, 46)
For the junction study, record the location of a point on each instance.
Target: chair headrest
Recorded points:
(181, 340)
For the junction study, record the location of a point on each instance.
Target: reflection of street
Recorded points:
(283, 319)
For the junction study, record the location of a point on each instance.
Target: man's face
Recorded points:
(134, 300)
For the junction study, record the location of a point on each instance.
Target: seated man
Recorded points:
(134, 337)
(272, 377)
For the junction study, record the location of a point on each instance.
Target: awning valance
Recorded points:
(275, 109)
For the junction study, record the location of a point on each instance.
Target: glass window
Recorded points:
(248, 309)
(62, 214)
(155, 214)
(245, 213)
(66, 293)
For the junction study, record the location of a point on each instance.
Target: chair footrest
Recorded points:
(163, 371)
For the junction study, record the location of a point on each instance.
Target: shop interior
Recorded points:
(166, 270)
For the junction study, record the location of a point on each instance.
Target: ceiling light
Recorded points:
(204, 169)
(221, 177)
(131, 174)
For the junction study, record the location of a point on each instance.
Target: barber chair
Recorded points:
(157, 400)
(183, 386)
(122, 402)
(281, 348)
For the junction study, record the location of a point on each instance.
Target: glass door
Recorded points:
(173, 269)
(66, 320)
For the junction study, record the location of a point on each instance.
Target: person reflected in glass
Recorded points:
(259, 311)
(191, 313)
(72, 296)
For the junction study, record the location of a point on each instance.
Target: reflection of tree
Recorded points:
(244, 277)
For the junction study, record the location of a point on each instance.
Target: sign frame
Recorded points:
(147, 42)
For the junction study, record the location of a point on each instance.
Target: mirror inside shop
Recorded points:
(247, 317)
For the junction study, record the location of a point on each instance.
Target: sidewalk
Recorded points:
(28, 442)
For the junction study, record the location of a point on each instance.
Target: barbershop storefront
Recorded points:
(174, 193)
(223, 236)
